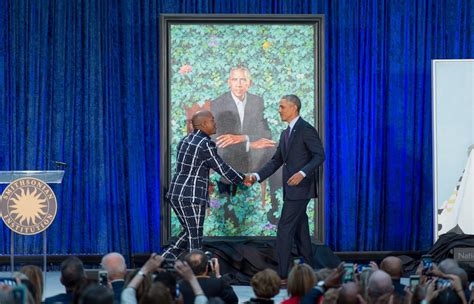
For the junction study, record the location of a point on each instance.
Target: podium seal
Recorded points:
(28, 206)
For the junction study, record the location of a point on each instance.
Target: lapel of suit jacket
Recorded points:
(292, 136)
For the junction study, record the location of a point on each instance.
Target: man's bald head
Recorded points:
(379, 284)
(447, 265)
(197, 260)
(199, 117)
(393, 266)
(348, 293)
(114, 264)
(204, 120)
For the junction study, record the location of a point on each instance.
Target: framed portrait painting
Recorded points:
(209, 60)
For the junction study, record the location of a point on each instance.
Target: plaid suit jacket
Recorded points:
(197, 154)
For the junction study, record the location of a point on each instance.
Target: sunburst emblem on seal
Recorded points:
(28, 206)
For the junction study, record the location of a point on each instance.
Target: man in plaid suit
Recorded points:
(188, 191)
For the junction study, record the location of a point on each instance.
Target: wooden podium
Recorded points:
(28, 205)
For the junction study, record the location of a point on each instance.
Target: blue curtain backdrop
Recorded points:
(79, 83)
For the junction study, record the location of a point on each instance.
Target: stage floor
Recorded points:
(53, 287)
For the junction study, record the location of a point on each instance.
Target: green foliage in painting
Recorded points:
(281, 61)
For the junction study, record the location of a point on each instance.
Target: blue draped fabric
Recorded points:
(79, 83)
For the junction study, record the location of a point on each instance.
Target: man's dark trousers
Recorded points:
(293, 224)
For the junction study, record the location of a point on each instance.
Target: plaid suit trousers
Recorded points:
(191, 216)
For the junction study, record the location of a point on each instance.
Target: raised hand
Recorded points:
(153, 263)
(262, 143)
(183, 269)
(333, 280)
(226, 140)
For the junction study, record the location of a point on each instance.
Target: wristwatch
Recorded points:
(141, 273)
(322, 286)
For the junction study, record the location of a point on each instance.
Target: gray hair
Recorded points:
(294, 100)
(241, 68)
(115, 268)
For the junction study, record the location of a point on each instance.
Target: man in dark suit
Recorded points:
(300, 153)
(188, 191)
(114, 264)
(211, 285)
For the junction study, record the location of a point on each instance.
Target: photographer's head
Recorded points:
(447, 265)
(96, 294)
(379, 284)
(301, 279)
(348, 293)
(157, 293)
(169, 280)
(266, 284)
(447, 296)
(6, 296)
(393, 266)
(114, 264)
(198, 261)
(72, 273)
(450, 266)
(35, 275)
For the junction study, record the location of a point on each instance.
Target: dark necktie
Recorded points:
(287, 136)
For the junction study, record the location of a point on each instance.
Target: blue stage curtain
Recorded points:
(79, 83)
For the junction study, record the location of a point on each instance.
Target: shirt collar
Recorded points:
(198, 131)
(293, 122)
(237, 100)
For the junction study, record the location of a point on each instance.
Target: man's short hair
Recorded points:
(294, 100)
(197, 260)
(266, 283)
(157, 293)
(97, 294)
(447, 295)
(72, 272)
(241, 68)
(167, 279)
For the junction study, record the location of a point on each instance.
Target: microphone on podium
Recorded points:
(59, 163)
